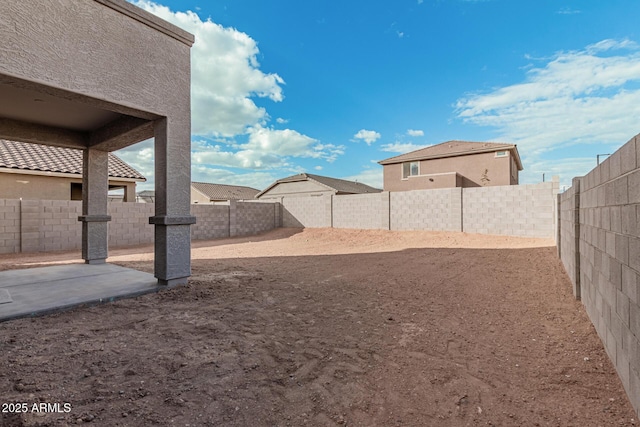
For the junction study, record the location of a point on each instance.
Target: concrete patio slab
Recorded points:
(5, 296)
(39, 291)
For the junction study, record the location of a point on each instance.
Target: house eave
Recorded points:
(63, 174)
(150, 20)
(512, 148)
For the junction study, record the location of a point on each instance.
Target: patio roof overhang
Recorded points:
(100, 75)
(35, 113)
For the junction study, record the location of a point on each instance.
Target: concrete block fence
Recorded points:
(523, 210)
(439, 209)
(599, 245)
(51, 225)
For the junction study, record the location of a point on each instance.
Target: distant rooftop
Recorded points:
(47, 158)
(224, 191)
(452, 149)
(341, 186)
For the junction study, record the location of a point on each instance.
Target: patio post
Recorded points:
(172, 218)
(95, 189)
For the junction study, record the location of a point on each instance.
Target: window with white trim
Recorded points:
(410, 169)
(501, 154)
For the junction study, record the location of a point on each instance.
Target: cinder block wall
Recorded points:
(608, 258)
(435, 210)
(568, 244)
(524, 210)
(307, 211)
(514, 210)
(52, 225)
(129, 225)
(9, 226)
(363, 211)
(212, 222)
(49, 225)
(254, 218)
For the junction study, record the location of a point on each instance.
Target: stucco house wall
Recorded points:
(31, 186)
(198, 198)
(472, 170)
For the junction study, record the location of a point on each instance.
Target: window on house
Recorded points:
(76, 191)
(501, 153)
(410, 169)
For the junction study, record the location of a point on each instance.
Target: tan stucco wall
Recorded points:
(89, 48)
(198, 197)
(515, 176)
(17, 186)
(422, 182)
(471, 169)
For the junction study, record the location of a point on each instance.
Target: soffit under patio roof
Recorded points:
(79, 83)
(35, 113)
(31, 106)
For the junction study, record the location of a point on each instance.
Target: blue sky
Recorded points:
(331, 87)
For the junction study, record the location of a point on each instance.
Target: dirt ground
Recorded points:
(324, 327)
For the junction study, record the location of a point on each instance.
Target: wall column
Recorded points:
(172, 218)
(575, 217)
(95, 189)
(129, 193)
(233, 218)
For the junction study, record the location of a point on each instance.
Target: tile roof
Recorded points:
(224, 191)
(451, 149)
(47, 158)
(339, 185)
(343, 186)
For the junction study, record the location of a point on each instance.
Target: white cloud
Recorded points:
(285, 142)
(368, 136)
(586, 96)
(568, 11)
(565, 168)
(140, 156)
(258, 180)
(266, 148)
(414, 132)
(329, 152)
(400, 147)
(225, 75)
(229, 130)
(318, 168)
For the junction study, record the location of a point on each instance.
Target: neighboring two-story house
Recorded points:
(453, 164)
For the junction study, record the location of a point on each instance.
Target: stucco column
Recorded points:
(129, 193)
(172, 218)
(95, 189)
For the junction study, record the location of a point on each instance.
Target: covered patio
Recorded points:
(100, 75)
(40, 291)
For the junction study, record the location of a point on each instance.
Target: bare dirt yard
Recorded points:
(324, 327)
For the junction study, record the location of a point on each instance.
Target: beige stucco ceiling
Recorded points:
(37, 107)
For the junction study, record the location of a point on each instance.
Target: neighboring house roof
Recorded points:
(46, 158)
(147, 193)
(338, 185)
(224, 192)
(452, 149)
